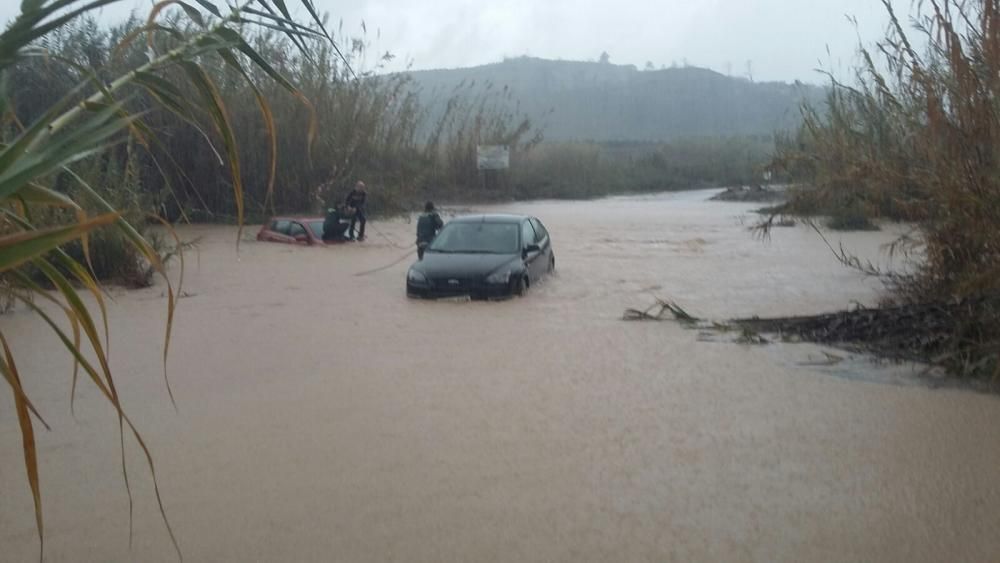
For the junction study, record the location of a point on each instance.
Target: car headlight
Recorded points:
(414, 276)
(498, 278)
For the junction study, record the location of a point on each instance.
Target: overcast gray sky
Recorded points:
(783, 39)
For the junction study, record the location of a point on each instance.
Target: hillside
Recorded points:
(607, 102)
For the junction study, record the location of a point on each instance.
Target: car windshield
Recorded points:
(317, 228)
(477, 238)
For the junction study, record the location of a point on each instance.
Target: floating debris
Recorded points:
(755, 193)
(661, 309)
(958, 335)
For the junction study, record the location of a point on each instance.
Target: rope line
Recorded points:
(389, 265)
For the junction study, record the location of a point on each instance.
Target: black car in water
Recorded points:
(483, 256)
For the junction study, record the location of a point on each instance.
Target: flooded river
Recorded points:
(323, 416)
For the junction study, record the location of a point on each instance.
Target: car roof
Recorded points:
(288, 218)
(490, 218)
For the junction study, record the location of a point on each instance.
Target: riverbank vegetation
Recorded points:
(92, 142)
(916, 138)
(581, 170)
(365, 124)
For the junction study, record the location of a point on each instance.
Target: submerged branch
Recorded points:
(959, 335)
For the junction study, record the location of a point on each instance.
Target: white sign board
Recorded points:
(492, 157)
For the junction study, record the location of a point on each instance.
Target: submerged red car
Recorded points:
(297, 230)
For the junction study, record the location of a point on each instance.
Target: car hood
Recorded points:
(441, 265)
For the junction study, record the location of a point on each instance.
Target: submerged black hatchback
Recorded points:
(483, 256)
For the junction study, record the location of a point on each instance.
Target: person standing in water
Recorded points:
(356, 200)
(428, 226)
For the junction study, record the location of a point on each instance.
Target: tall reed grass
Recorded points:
(368, 125)
(916, 137)
(77, 105)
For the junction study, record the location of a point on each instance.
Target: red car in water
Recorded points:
(296, 230)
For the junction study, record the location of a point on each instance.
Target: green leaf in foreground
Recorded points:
(21, 247)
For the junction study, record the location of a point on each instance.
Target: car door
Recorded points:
(278, 231)
(544, 241)
(534, 258)
(298, 233)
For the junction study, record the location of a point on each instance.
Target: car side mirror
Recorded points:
(301, 238)
(532, 248)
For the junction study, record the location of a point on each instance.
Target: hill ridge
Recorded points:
(608, 102)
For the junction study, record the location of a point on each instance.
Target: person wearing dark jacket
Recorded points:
(428, 225)
(333, 228)
(357, 200)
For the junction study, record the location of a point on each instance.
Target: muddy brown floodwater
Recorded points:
(325, 417)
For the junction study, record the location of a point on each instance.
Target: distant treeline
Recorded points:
(350, 123)
(570, 170)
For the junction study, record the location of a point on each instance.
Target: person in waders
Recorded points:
(356, 200)
(428, 225)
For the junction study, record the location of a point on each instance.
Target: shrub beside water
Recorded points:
(920, 142)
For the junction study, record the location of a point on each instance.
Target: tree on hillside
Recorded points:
(605, 58)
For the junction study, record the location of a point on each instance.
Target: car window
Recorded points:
(540, 232)
(317, 228)
(477, 238)
(281, 226)
(527, 234)
(296, 229)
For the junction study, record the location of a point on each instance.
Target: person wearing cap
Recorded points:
(428, 225)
